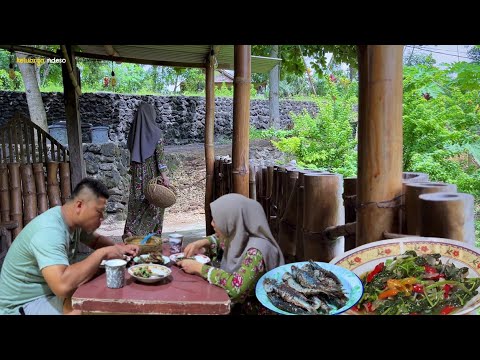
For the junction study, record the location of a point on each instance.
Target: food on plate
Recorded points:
(143, 272)
(416, 284)
(308, 289)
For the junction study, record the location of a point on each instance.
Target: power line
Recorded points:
(442, 53)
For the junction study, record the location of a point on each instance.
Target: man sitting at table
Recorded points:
(37, 277)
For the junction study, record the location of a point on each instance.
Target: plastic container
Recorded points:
(100, 134)
(59, 132)
(175, 241)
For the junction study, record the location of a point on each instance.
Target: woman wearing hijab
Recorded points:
(249, 250)
(146, 162)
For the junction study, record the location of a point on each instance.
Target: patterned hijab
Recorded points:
(243, 222)
(144, 133)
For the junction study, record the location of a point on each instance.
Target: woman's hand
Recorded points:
(191, 266)
(195, 247)
(166, 180)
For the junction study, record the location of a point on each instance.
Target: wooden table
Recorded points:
(180, 294)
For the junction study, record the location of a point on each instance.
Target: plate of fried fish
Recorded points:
(309, 288)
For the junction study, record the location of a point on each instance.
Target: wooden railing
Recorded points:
(24, 142)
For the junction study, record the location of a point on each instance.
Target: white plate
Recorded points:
(203, 259)
(364, 258)
(160, 272)
(142, 259)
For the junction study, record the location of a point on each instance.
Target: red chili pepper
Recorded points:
(417, 288)
(368, 306)
(446, 290)
(447, 310)
(437, 277)
(375, 271)
(430, 269)
(355, 308)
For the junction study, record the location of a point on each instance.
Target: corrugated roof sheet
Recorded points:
(174, 55)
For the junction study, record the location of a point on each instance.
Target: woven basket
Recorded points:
(154, 244)
(158, 194)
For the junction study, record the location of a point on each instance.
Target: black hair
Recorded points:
(96, 186)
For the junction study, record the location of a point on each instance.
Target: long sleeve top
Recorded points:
(241, 284)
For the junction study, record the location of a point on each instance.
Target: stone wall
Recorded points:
(181, 118)
(182, 121)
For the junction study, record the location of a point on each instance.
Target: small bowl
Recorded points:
(160, 272)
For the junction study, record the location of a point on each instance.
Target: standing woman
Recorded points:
(250, 250)
(146, 162)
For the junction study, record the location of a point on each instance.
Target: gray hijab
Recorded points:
(243, 222)
(144, 133)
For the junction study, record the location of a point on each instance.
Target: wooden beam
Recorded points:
(140, 61)
(110, 50)
(380, 141)
(72, 113)
(241, 118)
(209, 146)
(29, 50)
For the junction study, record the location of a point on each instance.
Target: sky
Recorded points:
(442, 53)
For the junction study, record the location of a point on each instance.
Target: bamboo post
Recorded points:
(217, 178)
(29, 193)
(380, 141)
(209, 137)
(299, 251)
(252, 183)
(4, 194)
(349, 201)
(264, 188)
(39, 175)
(241, 118)
(16, 213)
(408, 178)
(53, 190)
(412, 201)
(323, 207)
(65, 183)
(448, 215)
(288, 223)
(259, 185)
(269, 191)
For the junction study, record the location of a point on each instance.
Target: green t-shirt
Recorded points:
(45, 241)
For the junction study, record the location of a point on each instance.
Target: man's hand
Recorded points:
(190, 266)
(118, 251)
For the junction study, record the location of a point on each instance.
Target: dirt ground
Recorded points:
(187, 173)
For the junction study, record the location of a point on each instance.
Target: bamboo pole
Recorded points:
(349, 201)
(53, 190)
(4, 194)
(217, 178)
(412, 201)
(209, 137)
(252, 182)
(259, 185)
(16, 213)
(269, 191)
(241, 118)
(287, 233)
(323, 207)
(299, 251)
(448, 215)
(29, 193)
(39, 175)
(65, 183)
(380, 141)
(408, 178)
